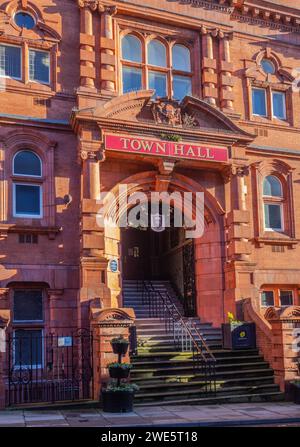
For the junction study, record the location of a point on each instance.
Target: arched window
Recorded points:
(131, 48)
(132, 63)
(182, 82)
(27, 188)
(157, 57)
(156, 65)
(157, 54)
(273, 201)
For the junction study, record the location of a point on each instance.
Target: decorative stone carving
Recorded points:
(91, 4)
(167, 111)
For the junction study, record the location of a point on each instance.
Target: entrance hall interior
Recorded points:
(161, 254)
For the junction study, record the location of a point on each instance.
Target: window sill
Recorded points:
(51, 232)
(270, 239)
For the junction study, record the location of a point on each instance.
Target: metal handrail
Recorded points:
(163, 307)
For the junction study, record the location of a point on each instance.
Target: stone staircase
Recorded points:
(167, 376)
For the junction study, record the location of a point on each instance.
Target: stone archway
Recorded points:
(209, 249)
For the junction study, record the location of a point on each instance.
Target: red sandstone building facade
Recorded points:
(87, 87)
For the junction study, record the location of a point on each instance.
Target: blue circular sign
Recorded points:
(113, 265)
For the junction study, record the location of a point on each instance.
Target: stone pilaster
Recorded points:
(107, 324)
(87, 44)
(4, 321)
(226, 80)
(285, 323)
(209, 67)
(108, 50)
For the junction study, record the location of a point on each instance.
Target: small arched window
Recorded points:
(131, 63)
(181, 58)
(157, 54)
(272, 186)
(273, 202)
(131, 48)
(27, 193)
(157, 57)
(27, 163)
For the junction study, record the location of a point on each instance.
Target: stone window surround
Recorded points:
(283, 172)
(23, 84)
(44, 148)
(256, 78)
(276, 288)
(145, 67)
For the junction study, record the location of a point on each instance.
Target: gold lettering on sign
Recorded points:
(190, 151)
(161, 147)
(125, 142)
(178, 149)
(136, 145)
(209, 154)
(147, 145)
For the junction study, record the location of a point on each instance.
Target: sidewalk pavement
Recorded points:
(187, 415)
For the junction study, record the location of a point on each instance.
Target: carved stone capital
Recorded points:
(3, 293)
(90, 4)
(90, 155)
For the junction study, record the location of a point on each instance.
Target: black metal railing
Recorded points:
(186, 336)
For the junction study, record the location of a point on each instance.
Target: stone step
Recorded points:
(187, 364)
(225, 375)
(199, 383)
(166, 394)
(213, 400)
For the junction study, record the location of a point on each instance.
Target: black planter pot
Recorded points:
(117, 401)
(239, 335)
(295, 392)
(120, 348)
(119, 373)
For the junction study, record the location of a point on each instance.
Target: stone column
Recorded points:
(87, 43)
(209, 66)
(4, 321)
(107, 324)
(108, 60)
(227, 81)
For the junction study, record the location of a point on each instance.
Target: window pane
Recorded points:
(132, 79)
(157, 54)
(28, 305)
(278, 105)
(39, 66)
(158, 82)
(27, 163)
(181, 58)
(28, 347)
(10, 61)
(286, 297)
(24, 20)
(267, 299)
(273, 217)
(27, 200)
(268, 66)
(272, 187)
(131, 48)
(182, 87)
(259, 102)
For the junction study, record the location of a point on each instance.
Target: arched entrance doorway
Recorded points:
(205, 275)
(167, 254)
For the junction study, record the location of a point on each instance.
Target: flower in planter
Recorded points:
(232, 319)
(119, 365)
(120, 340)
(125, 387)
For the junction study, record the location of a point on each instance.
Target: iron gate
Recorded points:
(49, 368)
